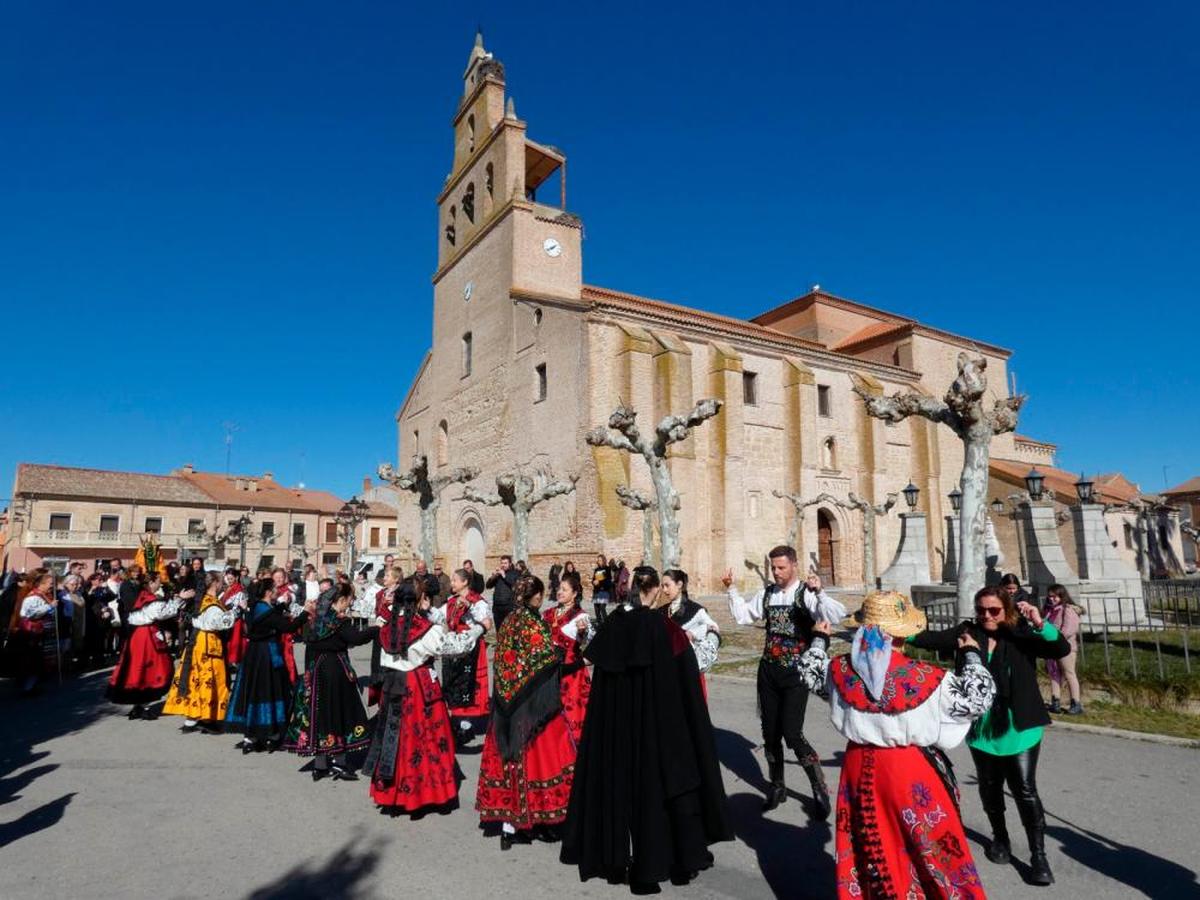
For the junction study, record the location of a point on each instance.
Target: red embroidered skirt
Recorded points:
(532, 790)
(237, 643)
(898, 830)
(575, 688)
(425, 765)
(287, 643)
(143, 673)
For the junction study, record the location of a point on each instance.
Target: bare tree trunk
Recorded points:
(972, 546)
(668, 504)
(520, 512)
(648, 553)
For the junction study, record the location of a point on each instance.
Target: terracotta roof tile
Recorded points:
(1191, 486)
(267, 493)
(685, 315)
(66, 481)
(873, 332)
(1062, 482)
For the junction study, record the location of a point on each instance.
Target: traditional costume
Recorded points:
(465, 677)
(528, 759)
(143, 673)
(701, 629)
(790, 614)
(899, 832)
(411, 760)
(262, 693)
(200, 690)
(286, 597)
(328, 719)
(35, 627)
(572, 629)
(647, 799)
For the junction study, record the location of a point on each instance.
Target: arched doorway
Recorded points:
(472, 545)
(825, 540)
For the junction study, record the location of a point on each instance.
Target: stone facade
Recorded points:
(509, 299)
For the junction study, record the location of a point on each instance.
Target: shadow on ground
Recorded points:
(57, 711)
(343, 875)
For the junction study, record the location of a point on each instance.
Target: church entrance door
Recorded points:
(825, 548)
(472, 545)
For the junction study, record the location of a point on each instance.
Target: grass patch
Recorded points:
(1137, 718)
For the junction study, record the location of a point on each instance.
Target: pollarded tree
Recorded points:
(961, 410)
(521, 493)
(623, 434)
(429, 495)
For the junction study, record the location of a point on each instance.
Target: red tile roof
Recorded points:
(1191, 486)
(877, 331)
(267, 493)
(67, 481)
(1062, 482)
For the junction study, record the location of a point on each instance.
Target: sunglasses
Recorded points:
(994, 612)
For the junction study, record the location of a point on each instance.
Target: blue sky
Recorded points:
(225, 211)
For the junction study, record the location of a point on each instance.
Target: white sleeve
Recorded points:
(706, 650)
(437, 615)
(746, 612)
(813, 666)
(214, 619)
(708, 621)
(458, 643)
(967, 695)
(237, 601)
(34, 607)
(481, 610)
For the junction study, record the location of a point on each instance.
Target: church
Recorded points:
(526, 358)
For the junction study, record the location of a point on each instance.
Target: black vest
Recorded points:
(789, 629)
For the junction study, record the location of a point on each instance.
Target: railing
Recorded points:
(130, 539)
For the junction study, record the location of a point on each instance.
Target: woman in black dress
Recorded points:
(328, 718)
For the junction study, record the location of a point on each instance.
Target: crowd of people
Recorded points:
(218, 650)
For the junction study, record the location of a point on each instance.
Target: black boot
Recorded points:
(777, 792)
(820, 792)
(999, 850)
(1034, 821)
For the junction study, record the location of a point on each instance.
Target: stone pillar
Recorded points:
(1098, 558)
(1043, 550)
(725, 460)
(950, 554)
(911, 563)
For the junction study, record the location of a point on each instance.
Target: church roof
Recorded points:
(877, 331)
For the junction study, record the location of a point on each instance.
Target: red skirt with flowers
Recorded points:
(899, 833)
(425, 767)
(575, 688)
(532, 790)
(143, 673)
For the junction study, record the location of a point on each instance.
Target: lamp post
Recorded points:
(911, 494)
(1034, 482)
(1085, 489)
(352, 514)
(956, 500)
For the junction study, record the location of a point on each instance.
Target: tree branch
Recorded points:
(673, 429)
(475, 496)
(635, 500)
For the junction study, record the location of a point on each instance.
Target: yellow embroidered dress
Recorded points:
(200, 690)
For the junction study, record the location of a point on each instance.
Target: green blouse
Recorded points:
(1011, 742)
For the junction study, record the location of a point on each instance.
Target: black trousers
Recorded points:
(499, 614)
(782, 701)
(1019, 772)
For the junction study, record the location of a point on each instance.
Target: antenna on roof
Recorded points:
(230, 428)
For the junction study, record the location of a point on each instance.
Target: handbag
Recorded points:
(35, 627)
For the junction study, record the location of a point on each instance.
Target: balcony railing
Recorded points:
(129, 539)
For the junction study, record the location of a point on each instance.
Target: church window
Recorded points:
(466, 354)
(450, 226)
(471, 134)
(540, 372)
(468, 202)
(750, 388)
(443, 447)
(537, 317)
(490, 180)
(416, 442)
(752, 504)
(829, 453)
(824, 401)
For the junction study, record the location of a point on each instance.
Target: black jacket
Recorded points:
(1013, 665)
(502, 594)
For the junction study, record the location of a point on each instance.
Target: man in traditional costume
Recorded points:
(899, 831)
(791, 608)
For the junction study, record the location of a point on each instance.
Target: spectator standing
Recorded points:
(1063, 613)
(602, 588)
(501, 584)
(477, 584)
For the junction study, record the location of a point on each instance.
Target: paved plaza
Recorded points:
(94, 806)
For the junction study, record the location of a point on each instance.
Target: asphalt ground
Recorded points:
(95, 806)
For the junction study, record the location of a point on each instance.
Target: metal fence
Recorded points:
(1147, 639)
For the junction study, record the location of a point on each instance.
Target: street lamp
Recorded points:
(997, 506)
(1085, 489)
(910, 495)
(1033, 483)
(956, 500)
(352, 514)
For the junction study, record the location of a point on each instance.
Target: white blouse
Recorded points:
(155, 611)
(437, 641)
(705, 635)
(34, 606)
(214, 619)
(820, 606)
(941, 721)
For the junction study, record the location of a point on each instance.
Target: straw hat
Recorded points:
(892, 611)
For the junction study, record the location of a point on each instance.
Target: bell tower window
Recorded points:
(471, 133)
(466, 354)
(468, 202)
(450, 226)
(490, 180)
